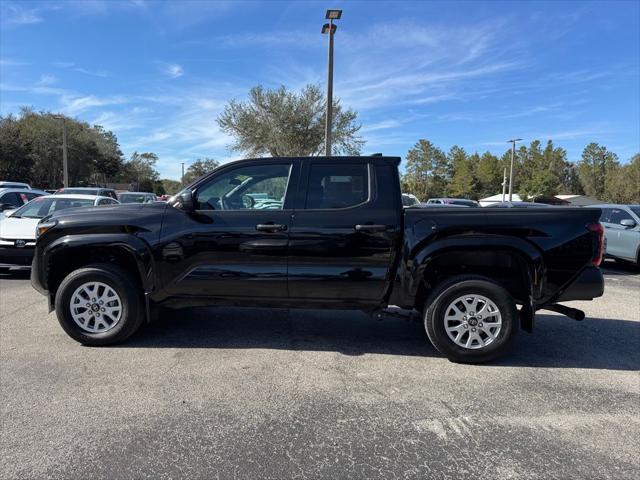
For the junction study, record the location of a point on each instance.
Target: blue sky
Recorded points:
(468, 73)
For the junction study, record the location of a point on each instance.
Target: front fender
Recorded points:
(132, 245)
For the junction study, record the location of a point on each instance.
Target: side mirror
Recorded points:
(185, 201)
(627, 222)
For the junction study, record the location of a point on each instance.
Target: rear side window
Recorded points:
(604, 216)
(337, 186)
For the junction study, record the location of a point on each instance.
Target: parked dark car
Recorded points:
(340, 239)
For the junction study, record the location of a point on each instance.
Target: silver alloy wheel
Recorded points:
(95, 307)
(472, 321)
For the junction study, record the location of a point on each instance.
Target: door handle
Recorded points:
(371, 228)
(271, 227)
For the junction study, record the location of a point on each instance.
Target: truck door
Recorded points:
(345, 231)
(235, 242)
(622, 240)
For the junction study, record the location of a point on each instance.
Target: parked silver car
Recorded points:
(622, 231)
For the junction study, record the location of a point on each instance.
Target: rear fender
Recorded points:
(455, 249)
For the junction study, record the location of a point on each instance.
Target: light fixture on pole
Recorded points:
(513, 153)
(329, 28)
(65, 164)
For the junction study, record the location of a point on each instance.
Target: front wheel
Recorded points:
(470, 319)
(99, 305)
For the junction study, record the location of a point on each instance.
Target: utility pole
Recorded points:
(182, 178)
(65, 162)
(513, 153)
(329, 28)
(504, 184)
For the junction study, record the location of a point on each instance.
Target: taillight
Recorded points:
(598, 251)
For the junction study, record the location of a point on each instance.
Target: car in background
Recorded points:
(409, 200)
(137, 197)
(517, 205)
(18, 227)
(621, 231)
(96, 191)
(12, 198)
(6, 184)
(453, 201)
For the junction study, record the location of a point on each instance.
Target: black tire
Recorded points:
(132, 315)
(445, 293)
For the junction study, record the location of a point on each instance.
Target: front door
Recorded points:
(235, 243)
(344, 232)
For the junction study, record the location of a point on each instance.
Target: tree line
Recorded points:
(31, 152)
(539, 171)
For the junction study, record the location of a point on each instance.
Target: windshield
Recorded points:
(635, 209)
(80, 191)
(43, 206)
(133, 198)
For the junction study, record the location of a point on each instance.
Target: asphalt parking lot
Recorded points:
(248, 393)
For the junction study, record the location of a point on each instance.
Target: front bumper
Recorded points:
(12, 257)
(588, 285)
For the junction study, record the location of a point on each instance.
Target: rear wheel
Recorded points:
(99, 305)
(471, 319)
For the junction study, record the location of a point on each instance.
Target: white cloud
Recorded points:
(47, 79)
(171, 70)
(17, 15)
(75, 105)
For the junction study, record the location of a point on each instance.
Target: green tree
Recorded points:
(200, 167)
(170, 187)
(15, 161)
(594, 167)
(285, 123)
(542, 170)
(489, 172)
(428, 171)
(463, 180)
(141, 171)
(622, 183)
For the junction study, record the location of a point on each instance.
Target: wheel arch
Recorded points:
(512, 263)
(69, 253)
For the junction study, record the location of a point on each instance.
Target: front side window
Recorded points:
(337, 186)
(617, 215)
(254, 187)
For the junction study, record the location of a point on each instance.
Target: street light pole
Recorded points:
(65, 163)
(513, 153)
(182, 178)
(329, 28)
(504, 184)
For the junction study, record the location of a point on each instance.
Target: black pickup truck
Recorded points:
(318, 233)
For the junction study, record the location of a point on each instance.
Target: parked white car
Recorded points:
(9, 184)
(18, 227)
(137, 197)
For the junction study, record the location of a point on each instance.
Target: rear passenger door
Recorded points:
(344, 232)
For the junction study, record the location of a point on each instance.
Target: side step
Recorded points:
(396, 312)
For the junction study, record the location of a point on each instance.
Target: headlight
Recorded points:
(45, 227)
